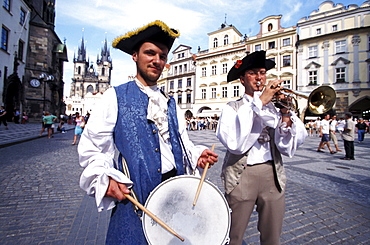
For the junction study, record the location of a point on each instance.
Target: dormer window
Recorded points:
(269, 27)
(215, 43)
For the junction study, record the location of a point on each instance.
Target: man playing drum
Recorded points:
(255, 134)
(146, 127)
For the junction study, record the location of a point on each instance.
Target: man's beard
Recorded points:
(149, 79)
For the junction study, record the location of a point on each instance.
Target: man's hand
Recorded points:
(116, 190)
(207, 156)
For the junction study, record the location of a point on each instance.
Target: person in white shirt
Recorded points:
(146, 128)
(325, 134)
(255, 133)
(333, 132)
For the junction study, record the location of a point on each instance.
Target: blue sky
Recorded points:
(97, 20)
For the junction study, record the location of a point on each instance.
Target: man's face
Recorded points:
(253, 80)
(150, 61)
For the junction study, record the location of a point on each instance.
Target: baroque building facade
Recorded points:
(35, 54)
(181, 79)
(334, 50)
(225, 47)
(89, 82)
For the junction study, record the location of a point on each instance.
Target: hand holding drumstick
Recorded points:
(206, 166)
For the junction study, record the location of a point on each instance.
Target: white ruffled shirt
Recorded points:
(97, 150)
(239, 130)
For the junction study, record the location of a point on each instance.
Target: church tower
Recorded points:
(86, 77)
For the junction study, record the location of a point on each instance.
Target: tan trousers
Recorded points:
(334, 138)
(257, 187)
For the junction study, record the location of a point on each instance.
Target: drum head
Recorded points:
(208, 222)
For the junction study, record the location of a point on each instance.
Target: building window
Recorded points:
(226, 40)
(180, 83)
(286, 41)
(258, 47)
(269, 27)
(213, 93)
(188, 82)
(171, 84)
(175, 72)
(318, 31)
(204, 71)
(179, 99)
(4, 38)
(286, 60)
(188, 98)
(20, 49)
(204, 94)
(335, 28)
(215, 43)
(214, 70)
(180, 69)
(312, 77)
(185, 68)
(224, 92)
(79, 70)
(340, 46)
(224, 68)
(312, 51)
(287, 84)
(6, 4)
(89, 89)
(272, 45)
(340, 75)
(236, 91)
(22, 17)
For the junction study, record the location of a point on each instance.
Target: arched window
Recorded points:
(103, 72)
(226, 40)
(90, 89)
(79, 70)
(215, 43)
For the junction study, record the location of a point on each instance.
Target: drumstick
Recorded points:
(151, 215)
(202, 179)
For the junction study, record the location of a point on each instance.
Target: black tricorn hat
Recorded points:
(254, 60)
(156, 31)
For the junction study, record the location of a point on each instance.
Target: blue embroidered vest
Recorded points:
(137, 140)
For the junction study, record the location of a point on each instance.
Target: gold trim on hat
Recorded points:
(159, 23)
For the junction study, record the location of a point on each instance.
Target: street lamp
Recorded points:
(45, 78)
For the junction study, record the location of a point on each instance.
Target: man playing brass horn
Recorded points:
(255, 134)
(145, 126)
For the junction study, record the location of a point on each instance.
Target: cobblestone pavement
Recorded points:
(327, 199)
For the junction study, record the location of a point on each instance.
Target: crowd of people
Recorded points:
(328, 127)
(201, 123)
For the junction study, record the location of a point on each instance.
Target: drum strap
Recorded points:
(186, 154)
(127, 173)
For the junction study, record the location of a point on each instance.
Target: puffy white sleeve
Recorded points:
(96, 152)
(191, 151)
(239, 129)
(288, 139)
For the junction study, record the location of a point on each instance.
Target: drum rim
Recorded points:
(226, 239)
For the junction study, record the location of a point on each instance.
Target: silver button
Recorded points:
(156, 149)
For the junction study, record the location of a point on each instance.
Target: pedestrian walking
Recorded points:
(255, 134)
(349, 137)
(3, 117)
(49, 120)
(361, 129)
(141, 122)
(79, 127)
(325, 134)
(333, 123)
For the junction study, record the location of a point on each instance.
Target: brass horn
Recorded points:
(319, 101)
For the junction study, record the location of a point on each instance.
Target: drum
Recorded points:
(208, 222)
